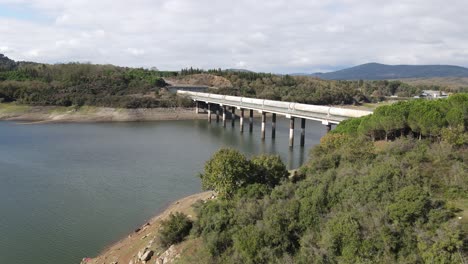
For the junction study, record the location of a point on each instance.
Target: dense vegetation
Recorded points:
(313, 90)
(441, 119)
(84, 84)
(107, 85)
(356, 201)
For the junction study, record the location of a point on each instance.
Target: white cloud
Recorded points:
(241, 64)
(135, 52)
(5, 49)
(276, 35)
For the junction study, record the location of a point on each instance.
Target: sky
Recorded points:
(281, 36)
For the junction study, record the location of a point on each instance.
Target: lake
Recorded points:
(69, 190)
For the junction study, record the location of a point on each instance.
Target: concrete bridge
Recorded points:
(220, 103)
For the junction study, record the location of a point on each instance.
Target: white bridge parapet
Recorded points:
(325, 114)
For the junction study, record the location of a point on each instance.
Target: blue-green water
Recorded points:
(69, 190)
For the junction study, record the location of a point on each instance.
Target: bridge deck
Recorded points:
(289, 109)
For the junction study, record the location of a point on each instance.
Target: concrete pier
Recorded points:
(303, 122)
(291, 132)
(241, 120)
(263, 124)
(209, 112)
(223, 108)
(215, 103)
(233, 116)
(250, 121)
(273, 125)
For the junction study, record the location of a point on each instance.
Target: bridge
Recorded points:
(220, 103)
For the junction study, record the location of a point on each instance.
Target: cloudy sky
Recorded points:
(270, 35)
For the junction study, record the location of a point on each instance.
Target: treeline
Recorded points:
(108, 85)
(85, 84)
(312, 90)
(354, 202)
(435, 119)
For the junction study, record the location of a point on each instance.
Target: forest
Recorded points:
(358, 200)
(112, 86)
(84, 84)
(311, 90)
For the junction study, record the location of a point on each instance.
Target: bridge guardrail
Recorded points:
(280, 107)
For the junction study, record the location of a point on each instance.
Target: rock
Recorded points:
(137, 230)
(147, 255)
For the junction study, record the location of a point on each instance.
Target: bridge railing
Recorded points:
(277, 106)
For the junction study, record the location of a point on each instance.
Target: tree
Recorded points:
(226, 172)
(269, 170)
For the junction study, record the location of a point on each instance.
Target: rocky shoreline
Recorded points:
(54, 114)
(142, 245)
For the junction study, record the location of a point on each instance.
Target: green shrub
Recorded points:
(175, 229)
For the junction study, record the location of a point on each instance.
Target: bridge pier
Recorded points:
(263, 125)
(196, 108)
(303, 122)
(291, 132)
(217, 114)
(223, 108)
(250, 121)
(273, 125)
(328, 128)
(233, 116)
(209, 112)
(241, 120)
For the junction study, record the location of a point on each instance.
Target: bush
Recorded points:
(175, 229)
(269, 170)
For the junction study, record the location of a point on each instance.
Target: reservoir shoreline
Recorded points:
(145, 237)
(86, 114)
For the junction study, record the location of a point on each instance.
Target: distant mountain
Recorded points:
(238, 70)
(377, 71)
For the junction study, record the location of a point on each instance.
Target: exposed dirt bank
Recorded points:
(145, 238)
(92, 114)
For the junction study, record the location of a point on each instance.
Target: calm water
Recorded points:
(69, 190)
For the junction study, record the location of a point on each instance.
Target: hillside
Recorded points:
(376, 71)
(200, 79)
(453, 83)
(360, 199)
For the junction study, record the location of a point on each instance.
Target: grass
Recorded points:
(72, 109)
(8, 108)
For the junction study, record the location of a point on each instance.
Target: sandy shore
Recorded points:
(127, 249)
(50, 114)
